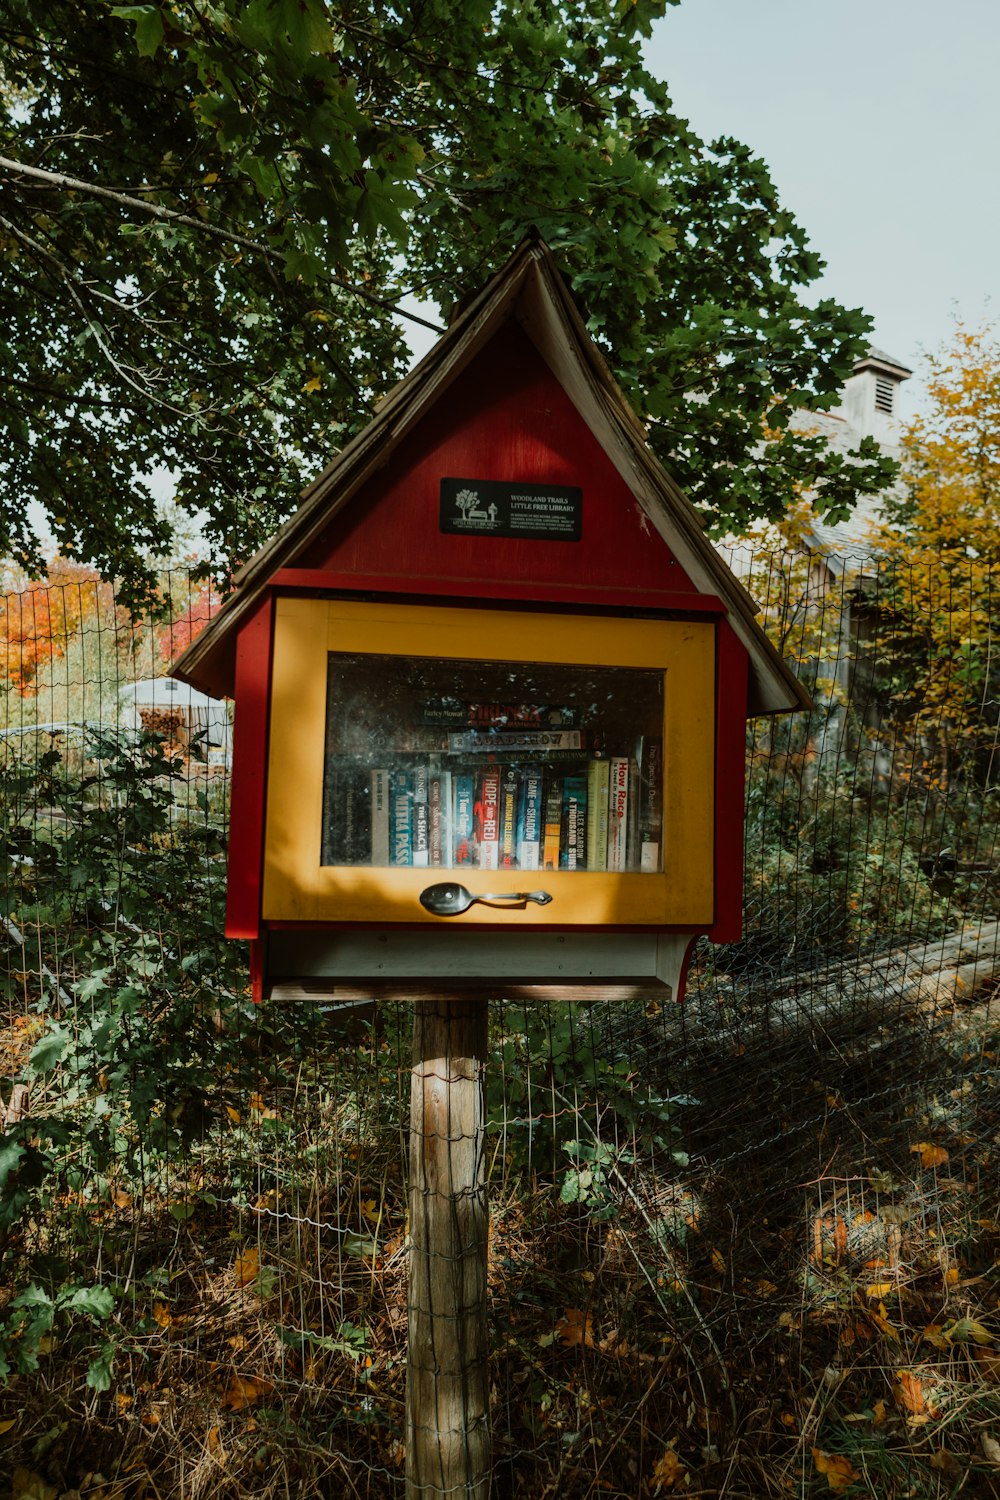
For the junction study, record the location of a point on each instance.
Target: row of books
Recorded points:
(579, 813)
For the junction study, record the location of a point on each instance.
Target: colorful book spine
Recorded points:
(440, 818)
(453, 713)
(380, 784)
(465, 835)
(632, 861)
(552, 826)
(487, 818)
(401, 819)
(539, 741)
(420, 780)
(598, 786)
(618, 801)
(573, 850)
(651, 805)
(529, 820)
(509, 783)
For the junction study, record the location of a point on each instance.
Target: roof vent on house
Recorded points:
(883, 394)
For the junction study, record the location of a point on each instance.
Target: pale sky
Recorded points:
(880, 122)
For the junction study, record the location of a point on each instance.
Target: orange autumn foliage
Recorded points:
(38, 620)
(182, 630)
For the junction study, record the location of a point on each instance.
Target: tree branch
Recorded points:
(175, 216)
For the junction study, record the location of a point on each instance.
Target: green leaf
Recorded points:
(100, 1369)
(95, 1301)
(50, 1050)
(11, 1152)
(148, 26)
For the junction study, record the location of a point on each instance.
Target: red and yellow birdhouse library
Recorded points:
(491, 684)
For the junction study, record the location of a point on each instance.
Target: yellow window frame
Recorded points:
(298, 888)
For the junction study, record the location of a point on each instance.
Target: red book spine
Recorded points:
(488, 819)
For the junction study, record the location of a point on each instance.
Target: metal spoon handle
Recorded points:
(542, 897)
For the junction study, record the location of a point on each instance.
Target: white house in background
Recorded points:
(868, 408)
(845, 566)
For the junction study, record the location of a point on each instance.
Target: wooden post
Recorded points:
(447, 1388)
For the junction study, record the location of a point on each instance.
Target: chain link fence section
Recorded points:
(720, 1234)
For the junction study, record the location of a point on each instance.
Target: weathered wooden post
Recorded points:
(492, 651)
(447, 1390)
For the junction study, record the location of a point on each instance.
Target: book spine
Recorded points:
(509, 783)
(465, 848)
(618, 812)
(529, 820)
(421, 814)
(487, 818)
(453, 713)
(538, 741)
(651, 805)
(440, 818)
(380, 817)
(598, 786)
(552, 827)
(401, 819)
(573, 853)
(632, 845)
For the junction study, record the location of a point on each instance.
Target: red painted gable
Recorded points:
(506, 418)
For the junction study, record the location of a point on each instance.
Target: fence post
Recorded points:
(447, 1387)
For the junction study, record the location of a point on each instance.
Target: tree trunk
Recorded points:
(447, 1390)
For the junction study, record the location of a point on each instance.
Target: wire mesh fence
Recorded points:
(742, 1246)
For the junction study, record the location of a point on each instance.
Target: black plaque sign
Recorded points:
(492, 507)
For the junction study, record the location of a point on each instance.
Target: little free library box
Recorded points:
(491, 686)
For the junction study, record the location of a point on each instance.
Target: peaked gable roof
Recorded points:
(529, 289)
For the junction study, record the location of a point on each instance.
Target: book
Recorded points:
(552, 825)
(464, 819)
(421, 843)
(400, 819)
(486, 812)
(380, 787)
(650, 755)
(598, 787)
(529, 819)
(455, 713)
(573, 834)
(537, 742)
(632, 844)
(509, 785)
(441, 838)
(618, 801)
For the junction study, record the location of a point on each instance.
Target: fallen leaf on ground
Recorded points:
(839, 1470)
(967, 1331)
(246, 1267)
(909, 1392)
(244, 1391)
(990, 1447)
(668, 1471)
(930, 1155)
(162, 1314)
(576, 1327)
